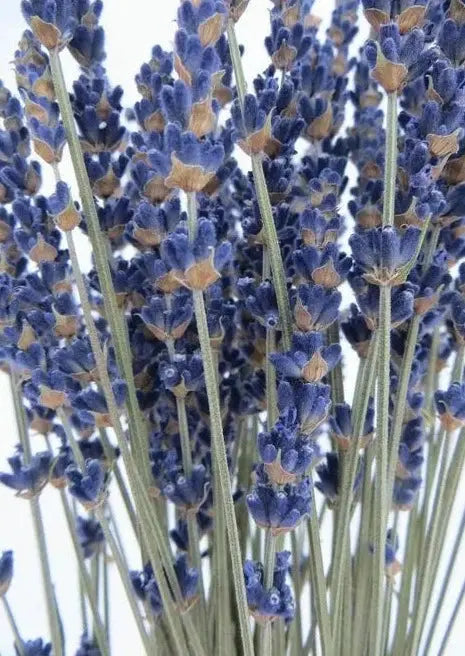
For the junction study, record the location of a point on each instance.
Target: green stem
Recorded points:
(266, 212)
(106, 596)
(363, 558)
(19, 644)
(266, 643)
(382, 437)
(452, 620)
(390, 165)
(349, 471)
(85, 579)
(319, 582)
(337, 382)
(432, 548)
(445, 584)
(113, 315)
(270, 377)
(124, 576)
(39, 531)
(219, 451)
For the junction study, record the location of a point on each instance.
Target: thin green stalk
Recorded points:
(337, 381)
(296, 549)
(124, 576)
(266, 212)
(319, 583)
(106, 595)
(216, 428)
(349, 471)
(408, 571)
(274, 250)
(442, 500)
(192, 527)
(363, 557)
(445, 584)
(85, 579)
(384, 351)
(270, 378)
(390, 162)
(95, 576)
(452, 620)
(118, 330)
(219, 451)
(266, 643)
(19, 644)
(382, 437)
(37, 521)
(116, 471)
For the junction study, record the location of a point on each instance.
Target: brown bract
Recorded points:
(407, 20)
(369, 216)
(326, 275)
(321, 126)
(202, 119)
(42, 251)
(155, 122)
(187, 177)
(258, 141)
(284, 57)
(68, 219)
(50, 398)
(278, 475)
(444, 145)
(201, 275)
(315, 369)
(392, 76)
(46, 152)
(210, 30)
(47, 33)
(454, 170)
(67, 325)
(106, 186)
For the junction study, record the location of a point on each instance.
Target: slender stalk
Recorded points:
(390, 162)
(219, 452)
(296, 548)
(319, 583)
(445, 584)
(384, 350)
(192, 527)
(382, 436)
(337, 382)
(106, 595)
(349, 471)
(124, 576)
(85, 579)
(39, 531)
(452, 620)
(266, 643)
(441, 500)
(19, 644)
(266, 212)
(270, 377)
(363, 574)
(112, 312)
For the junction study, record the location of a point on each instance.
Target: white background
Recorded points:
(132, 28)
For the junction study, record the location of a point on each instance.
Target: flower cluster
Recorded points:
(200, 364)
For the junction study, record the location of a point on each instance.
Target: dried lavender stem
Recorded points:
(445, 583)
(384, 354)
(440, 502)
(266, 212)
(266, 641)
(367, 377)
(19, 644)
(37, 521)
(319, 582)
(452, 620)
(219, 450)
(112, 312)
(85, 579)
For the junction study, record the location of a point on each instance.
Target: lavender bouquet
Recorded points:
(194, 382)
